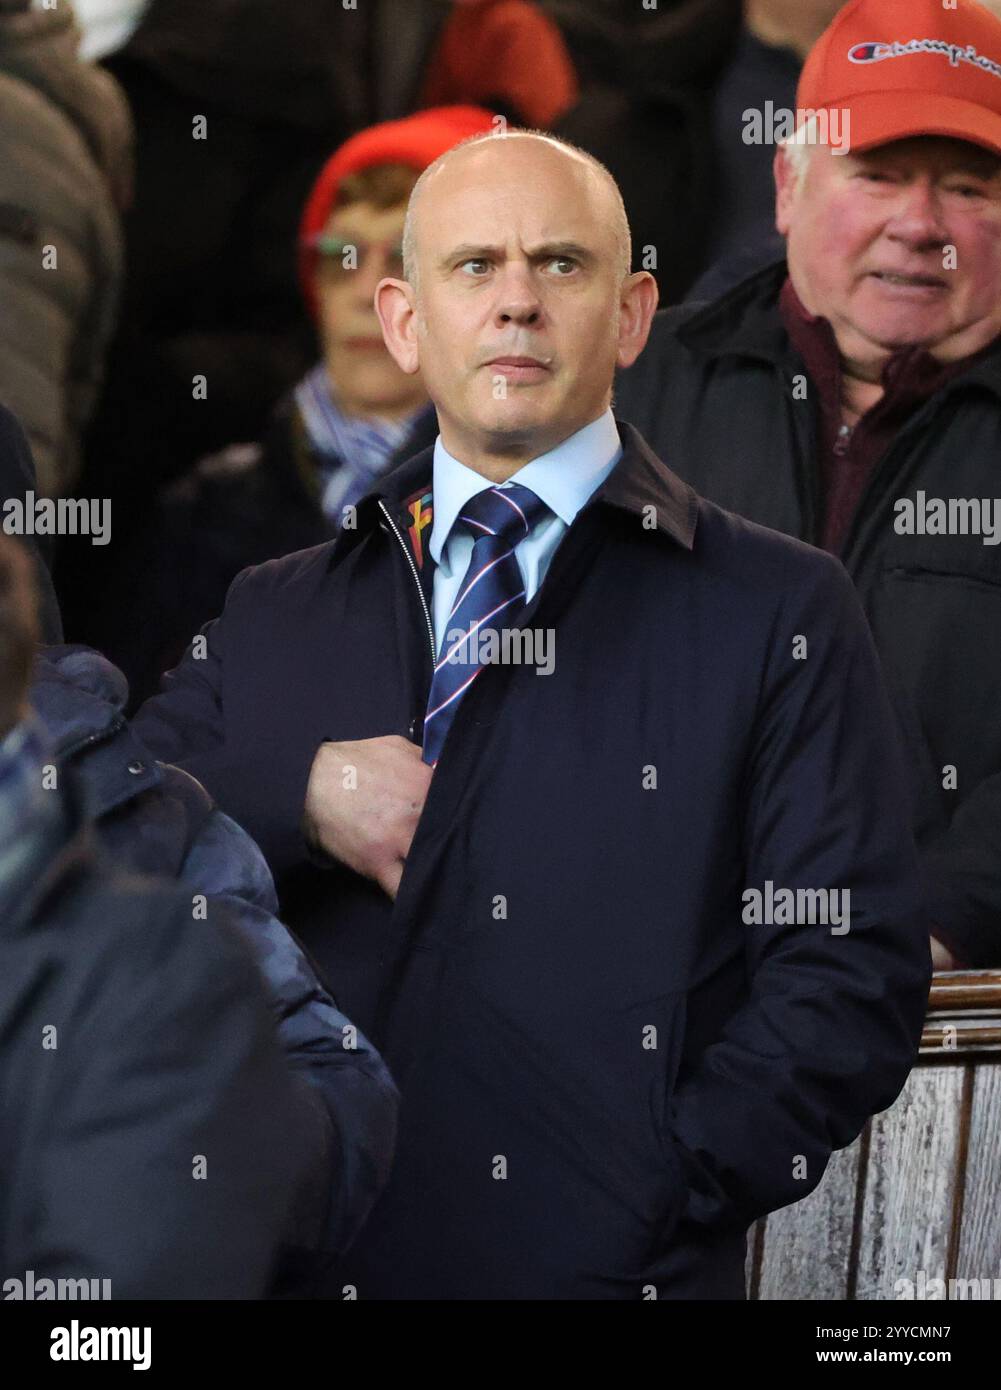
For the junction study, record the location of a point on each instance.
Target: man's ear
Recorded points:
(638, 306)
(394, 303)
(785, 189)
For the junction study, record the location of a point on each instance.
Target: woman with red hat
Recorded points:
(349, 420)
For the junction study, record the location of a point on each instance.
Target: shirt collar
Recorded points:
(564, 477)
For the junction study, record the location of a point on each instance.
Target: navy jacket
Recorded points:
(157, 820)
(607, 1073)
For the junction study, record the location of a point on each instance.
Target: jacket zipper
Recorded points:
(922, 416)
(417, 580)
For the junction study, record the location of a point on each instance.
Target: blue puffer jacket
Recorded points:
(155, 819)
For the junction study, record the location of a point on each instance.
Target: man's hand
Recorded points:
(363, 802)
(941, 957)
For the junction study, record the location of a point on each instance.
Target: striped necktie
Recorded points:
(491, 595)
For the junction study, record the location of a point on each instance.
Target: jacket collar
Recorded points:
(744, 322)
(747, 322)
(79, 694)
(638, 481)
(80, 698)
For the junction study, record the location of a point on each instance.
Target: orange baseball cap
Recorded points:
(901, 68)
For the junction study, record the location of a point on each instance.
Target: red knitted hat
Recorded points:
(415, 140)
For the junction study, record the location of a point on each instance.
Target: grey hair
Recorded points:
(623, 239)
(799, 146)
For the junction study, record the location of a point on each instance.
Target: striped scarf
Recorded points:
(353, 454)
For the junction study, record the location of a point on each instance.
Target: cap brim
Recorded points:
(877, 118)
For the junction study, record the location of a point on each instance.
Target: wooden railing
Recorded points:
(917, 1198)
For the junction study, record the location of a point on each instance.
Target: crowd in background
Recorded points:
(197, 200)
(177, 324)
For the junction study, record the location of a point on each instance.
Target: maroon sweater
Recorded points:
(849, 454)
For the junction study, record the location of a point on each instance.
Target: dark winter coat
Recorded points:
(607, 1073)
(715, 392)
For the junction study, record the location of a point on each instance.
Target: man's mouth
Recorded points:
(903, 280)
(519, 369)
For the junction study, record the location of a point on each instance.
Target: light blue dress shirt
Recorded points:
(564, 479)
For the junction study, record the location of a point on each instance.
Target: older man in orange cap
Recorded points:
(864, 369)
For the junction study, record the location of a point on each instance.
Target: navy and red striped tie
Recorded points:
(490, 597)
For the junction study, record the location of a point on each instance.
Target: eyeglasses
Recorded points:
(340, 256)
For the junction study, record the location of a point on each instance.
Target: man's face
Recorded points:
(517, 328)
(367, 380)
(898, 246)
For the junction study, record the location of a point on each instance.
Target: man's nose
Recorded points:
(518, 299)
(918, 218)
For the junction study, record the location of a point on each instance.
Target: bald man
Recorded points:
(583, 792)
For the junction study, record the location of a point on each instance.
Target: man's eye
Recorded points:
(564, 264)
(875, 176)
(476, 266)
(966, 190)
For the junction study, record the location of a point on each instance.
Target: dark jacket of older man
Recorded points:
(608, 1071)
(724, 395)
